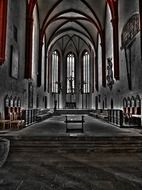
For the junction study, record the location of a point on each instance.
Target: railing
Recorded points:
(115, 116)
(29, 115)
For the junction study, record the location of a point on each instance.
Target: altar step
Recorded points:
(72, 111)
(76, 144)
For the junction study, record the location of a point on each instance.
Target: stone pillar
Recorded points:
(3, 24)
(116, 46)
(113, 4)
(40, 63)
(28, 63)
(96, 71)
(140, 10)
(103, 59)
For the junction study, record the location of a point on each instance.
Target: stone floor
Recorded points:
(56, 126)
(60, 171)
(72, 171)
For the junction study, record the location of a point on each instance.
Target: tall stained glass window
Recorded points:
(55, 75)
(86, 73)
(70, 73)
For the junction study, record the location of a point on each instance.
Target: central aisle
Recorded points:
(56, 126)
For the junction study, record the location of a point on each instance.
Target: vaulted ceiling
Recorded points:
(84, 18)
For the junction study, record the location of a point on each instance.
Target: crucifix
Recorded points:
(71, 79)
(71, 84)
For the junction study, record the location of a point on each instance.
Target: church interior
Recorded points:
(70, 94)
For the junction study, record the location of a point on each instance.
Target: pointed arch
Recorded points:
(55, 71)
(70, 61)
(29, 33)
(98, 27)
(70, 40)
(85, 72)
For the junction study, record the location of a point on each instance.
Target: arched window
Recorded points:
(99, 64)
(43, 61)
(86, 73)
(70, 73)
(55, 75)
(35, 34)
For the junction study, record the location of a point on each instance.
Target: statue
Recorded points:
(110, 73)
(71, 84)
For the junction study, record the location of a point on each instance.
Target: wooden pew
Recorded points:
(4, 122)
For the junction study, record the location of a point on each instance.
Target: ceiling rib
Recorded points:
(70, 29)
(66, 35)
(53, 34)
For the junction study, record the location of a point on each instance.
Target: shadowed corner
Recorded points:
(4, 150)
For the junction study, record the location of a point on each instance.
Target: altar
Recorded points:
(74, 123)
(70, 105)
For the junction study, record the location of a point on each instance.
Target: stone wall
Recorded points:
(120, 88)
(71, 48)
(16, 18)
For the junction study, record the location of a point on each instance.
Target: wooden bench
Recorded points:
(11, 122)
(101, 114)
(16, 122)
(132, 120)
(44, 114)
(95, 113)
(4, 122)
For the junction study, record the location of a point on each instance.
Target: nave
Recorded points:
(79, 55)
